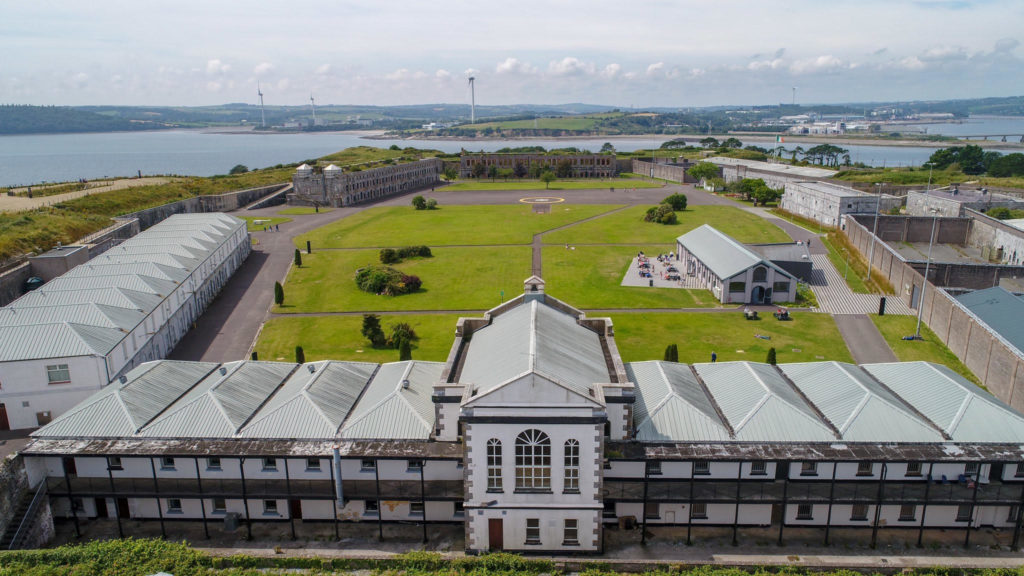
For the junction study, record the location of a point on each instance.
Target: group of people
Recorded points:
(646, 268)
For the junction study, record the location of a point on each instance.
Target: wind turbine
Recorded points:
(263, 117)
(313, 106)
(472, 95)
(794, 95)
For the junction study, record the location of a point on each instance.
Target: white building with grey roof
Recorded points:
(129, 305)
(534, 436)
(827, 202)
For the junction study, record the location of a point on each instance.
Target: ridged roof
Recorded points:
(672, 406)
(723, 255)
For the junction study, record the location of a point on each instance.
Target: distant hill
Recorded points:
(18, 119)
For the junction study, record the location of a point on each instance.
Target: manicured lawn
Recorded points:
(808, 337)
(303, 210)
(266, 222)
(453, 279)
(458, 225)
(484, 184)
(627, 226)
(931, 349)
(339, 338)
(590, 277)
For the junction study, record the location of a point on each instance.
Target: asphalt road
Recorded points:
(862, 337)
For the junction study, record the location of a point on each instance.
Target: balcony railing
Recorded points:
(277, 488)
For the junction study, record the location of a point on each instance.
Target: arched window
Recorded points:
(572, 466)
(533, 461)
(494, 465)
(760, 274)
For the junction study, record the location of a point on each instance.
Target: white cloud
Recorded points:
(773, 64)
(820, 64)
(1006, 44)
(910, 63)
(471, 72)
(611, 71)
(515, 66)
(442, 74)
(941, 53)
(212, 86)
(215, 67)
(322, 69)
(283, 84)
(655, 68)
(262, 69)
(569, 66)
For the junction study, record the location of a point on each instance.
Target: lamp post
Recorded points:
(874, 230)
(924, 283)
(930, 166)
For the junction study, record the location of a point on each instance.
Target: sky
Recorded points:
(625, 54)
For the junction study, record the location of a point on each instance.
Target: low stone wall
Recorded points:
(670, 172)
(218, 203)
(14, 488)
(12, 281)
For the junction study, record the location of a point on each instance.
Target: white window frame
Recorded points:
(571, 482)
(494, 483)
(571, 532)
(174, 506)
(805, 512)
(417, 509)
(213, 463)
(855, 517)
(701, 468)
(167, 463)
(114, 463)
(533, 461)
(808, 468)
(222, 509)
(905, 516)
(758, 468)
(313, 465)
(61, 371)
(532, 531)
(269, 464)
(865, 469)
(699, 511)
(270, 508)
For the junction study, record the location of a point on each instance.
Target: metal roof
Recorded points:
(835, 190)
(534, 337)
(396, 404)
(787, 169)
(672, 406)
(1001, 310)
(722, 254)
(80, 307)
(964, 411)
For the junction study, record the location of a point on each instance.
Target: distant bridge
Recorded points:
(987, 136)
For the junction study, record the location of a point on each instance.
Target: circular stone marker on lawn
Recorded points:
(542, 200)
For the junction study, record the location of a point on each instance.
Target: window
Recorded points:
(570, 532)
(372, 508)
(459, 509)
(699, 511)
(760, 274)
(972, 469)
(780, 287)
(737, 286)
(269, 464)
(416, 508)
(174, 505)
(865, 468)
(77, 505)
(114, 463)
(908, 512)
(414, 466)
(220, 506)
(368, 465)
(963, 513)
(860, 512)
(533, 531)
(701, 468)
(652, 510)
(1012, 516)
(1019, 473)
(913, 468)
(58, 374)
(312, 464)
(572, 467)
(213, 463)
(494, 465)
(804, 512)
(653, 468)
(758, 468)
(270, 507)
(808, 468)
(533, 462)
(167, 463)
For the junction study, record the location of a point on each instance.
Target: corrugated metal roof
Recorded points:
(99, 315)
(856, 404)
(789, 169)
(671, 405)
(389, 409)
(1001, 310)
(964, 411)
(724, 256)
(154, 269)
(760, 405)
(536, 338)
(39, 341)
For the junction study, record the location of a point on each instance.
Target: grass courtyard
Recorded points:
(449, 225)
(930, 349)
(586, 184)
(303, 210)
(265, 222)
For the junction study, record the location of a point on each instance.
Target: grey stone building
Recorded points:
(334, 186)
(826, 202)
(952, 202)
(583, 165)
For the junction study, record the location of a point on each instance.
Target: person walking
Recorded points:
(714, 357)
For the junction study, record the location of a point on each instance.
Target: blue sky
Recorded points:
(656, 53)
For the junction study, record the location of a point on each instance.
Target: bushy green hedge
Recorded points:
(386, 281)
(392, 256)
(662, 214)
(127, 557)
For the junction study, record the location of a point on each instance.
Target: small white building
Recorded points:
(827, 202)
(731, 271)
(129, 305)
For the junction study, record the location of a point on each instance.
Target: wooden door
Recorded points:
(122, 508)
(101, 508)
(5, 424)
(295, 509)
(495, 535)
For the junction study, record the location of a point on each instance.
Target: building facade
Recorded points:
(534, 435)
(131, 304)
(583, 165)
(334, 186)
(953, 202)
(826, 202)
(775, 175)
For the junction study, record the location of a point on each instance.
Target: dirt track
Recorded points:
(19, 203)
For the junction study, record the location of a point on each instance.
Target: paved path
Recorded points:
(863, 339)
(835, 296)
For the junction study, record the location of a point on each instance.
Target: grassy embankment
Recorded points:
(929, 349)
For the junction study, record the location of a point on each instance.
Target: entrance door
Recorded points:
(295, 509)
(5, 424)
(758, 295)
(495, 535)
(69, 467)
(101, 508)
(122, 508)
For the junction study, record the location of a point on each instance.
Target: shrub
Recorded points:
(672, 353)
(300, 355)
(431, 204)
(392, 256)
(278, 294)
(372, 331)
(401, 332)
(676, 201)
(239, 169)
(404, 351)
(389, 256)
(771, 356)
(412, 283)
(386, 281)
(298, 257)
(662, 214)
(419, 203)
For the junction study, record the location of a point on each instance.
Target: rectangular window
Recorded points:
(213, 463)
(459, 509)
(167, 462)
(963, 513)
(572, 467)
(865, 468)
(368, 465)
(908, 512)
(372, 508)
(570, 532)
(652, 510)
(114, 463)
(312, 464)
(860, 512)
(1019, 473)
(494, 465)
(972, 469)
(758, 468)
(701, 468)
(270, 507)
(1012, 516)
(913, 468)
(219, 506)
(781, 287)
(533, 531)
(58, 374)
(269, 464)
(699, 511)
(653, 468)
(416, 508)
(804, 512)
(414, 466)
(737, 286)
(808, 468)
(174, 505)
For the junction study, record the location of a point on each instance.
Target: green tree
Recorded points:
(675, 144)
(607, 148)
(401, 332)
(771, 356)
(703, 171)
(300, 355)
(298, 257)
(709, 142)
(239, 169)
(732, 143)
(672, 353)
(450, 173)
(419, 202)
(505, 174)
(547, 177)
(372, 331)
(492, 172)
(278, 294)
(563, 169)
(404, 351)
(431, 204)
(479, 170)
(676, 201)
(520, 170)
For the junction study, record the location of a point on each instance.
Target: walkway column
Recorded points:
(924, 508)
(113, 494)
(974, 500)
(288, 491)
(245, 498)
(643, 513)
(785, 496)
(156, 493)
(423, 498)
(1017, 521)
(380, 512)
(689, 520)
(831, 498)
(202, 503)
(71, 499)
(335, 481)
(878, 507)
(736, 513)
